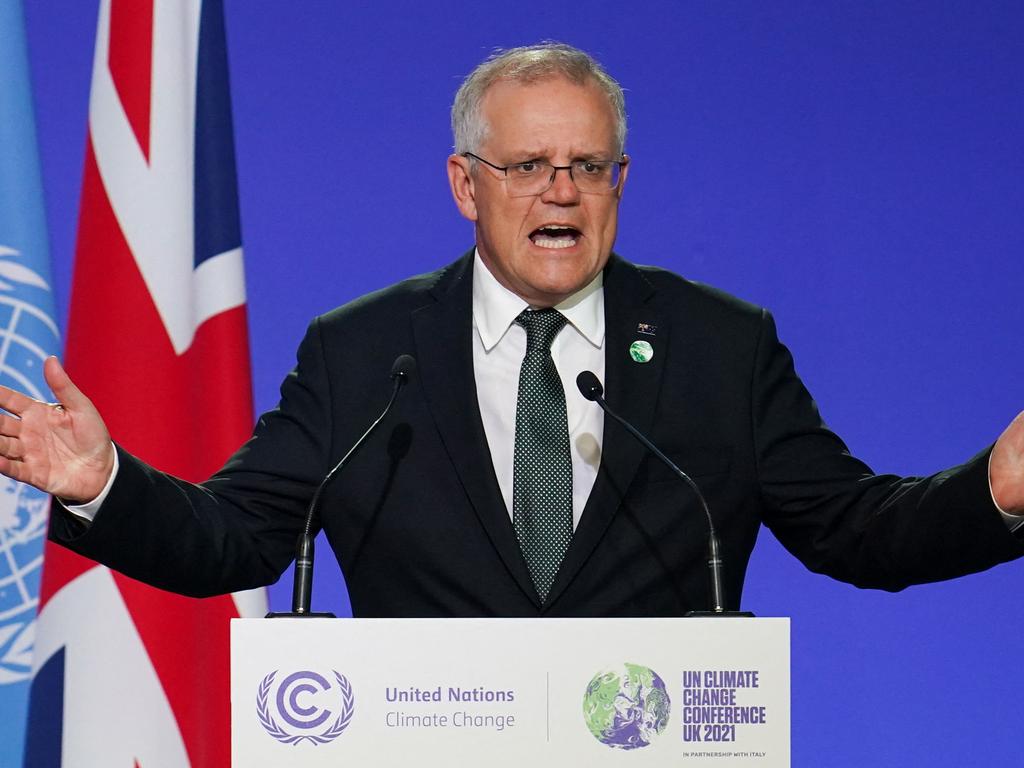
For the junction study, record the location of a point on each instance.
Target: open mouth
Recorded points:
(555, 236)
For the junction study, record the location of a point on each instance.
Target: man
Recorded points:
(495, 488)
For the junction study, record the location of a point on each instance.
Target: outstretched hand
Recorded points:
(61, 448)
(1006, 468)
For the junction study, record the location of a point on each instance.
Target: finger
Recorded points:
(14, 402)
(63, 388)
(15, 470)
(11, 448)
(9, 426)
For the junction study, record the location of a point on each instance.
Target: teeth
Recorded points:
(554, 242)
(555, 236)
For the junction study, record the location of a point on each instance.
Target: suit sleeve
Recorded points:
(839, 518)
(238, 529)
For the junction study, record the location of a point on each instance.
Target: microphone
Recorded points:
(592, 390)
(302, 590)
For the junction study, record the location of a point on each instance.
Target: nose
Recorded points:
(563, 190)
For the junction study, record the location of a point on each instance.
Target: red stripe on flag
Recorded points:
(130, 62)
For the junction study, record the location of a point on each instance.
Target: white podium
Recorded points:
(510, 692)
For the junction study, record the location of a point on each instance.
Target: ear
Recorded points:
(461, 182)
(622, 175)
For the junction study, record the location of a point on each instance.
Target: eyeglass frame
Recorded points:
(554, 172)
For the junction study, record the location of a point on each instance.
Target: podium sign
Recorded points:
(510, 692)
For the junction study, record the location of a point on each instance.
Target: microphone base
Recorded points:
(289, 615)
(718, 614)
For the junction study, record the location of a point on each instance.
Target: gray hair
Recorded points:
(529, 64)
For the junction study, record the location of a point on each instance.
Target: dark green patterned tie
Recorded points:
(542, 467)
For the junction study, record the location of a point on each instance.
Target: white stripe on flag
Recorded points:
(108, 674)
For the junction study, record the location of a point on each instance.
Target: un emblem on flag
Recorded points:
(27, 335)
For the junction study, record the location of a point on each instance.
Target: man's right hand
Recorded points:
(61, 448)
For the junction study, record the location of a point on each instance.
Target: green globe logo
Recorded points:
(625, 708)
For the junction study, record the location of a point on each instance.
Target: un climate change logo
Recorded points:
(307, 707)
(27, 335)
(626, 708)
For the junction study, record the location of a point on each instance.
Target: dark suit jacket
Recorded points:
(417, 521)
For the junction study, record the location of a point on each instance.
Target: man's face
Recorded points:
(557, 121)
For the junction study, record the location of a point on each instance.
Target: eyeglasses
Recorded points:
(535, 177)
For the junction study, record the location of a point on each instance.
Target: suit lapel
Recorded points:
(631, 390)
(444, 344)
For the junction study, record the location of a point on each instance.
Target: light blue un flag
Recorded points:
(28, 334)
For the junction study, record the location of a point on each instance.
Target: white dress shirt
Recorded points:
(499, 345)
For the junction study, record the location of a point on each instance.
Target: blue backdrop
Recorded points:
(854, 166)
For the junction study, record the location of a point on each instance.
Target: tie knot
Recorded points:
(542, 325)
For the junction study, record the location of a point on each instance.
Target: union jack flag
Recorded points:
(126, 674)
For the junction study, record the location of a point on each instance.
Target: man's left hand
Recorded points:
(1006, 469)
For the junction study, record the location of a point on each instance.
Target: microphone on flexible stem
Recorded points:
(302, 590)
(592, 390)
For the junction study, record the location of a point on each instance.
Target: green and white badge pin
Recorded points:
(641, 351)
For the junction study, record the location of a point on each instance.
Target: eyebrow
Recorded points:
(546, 157)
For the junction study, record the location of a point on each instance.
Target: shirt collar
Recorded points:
(495, 307)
